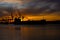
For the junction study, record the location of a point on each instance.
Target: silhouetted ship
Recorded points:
(18, 21)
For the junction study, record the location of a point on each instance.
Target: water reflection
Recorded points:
(29, 32)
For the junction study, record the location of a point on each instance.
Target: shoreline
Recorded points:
(33, 22)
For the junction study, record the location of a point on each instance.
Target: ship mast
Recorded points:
(18, 11)
(20, 15)
(43, 17)
(11, 10)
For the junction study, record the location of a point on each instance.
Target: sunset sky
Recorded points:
(32, 9)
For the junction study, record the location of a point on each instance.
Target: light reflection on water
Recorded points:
(29, 32)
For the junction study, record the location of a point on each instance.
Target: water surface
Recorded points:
(29, 32)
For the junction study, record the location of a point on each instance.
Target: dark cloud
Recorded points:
(5, 11)
(34, 6)
(39, 6)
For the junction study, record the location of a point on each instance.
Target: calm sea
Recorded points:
(30, 32)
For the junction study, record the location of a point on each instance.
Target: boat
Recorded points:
(18, 20)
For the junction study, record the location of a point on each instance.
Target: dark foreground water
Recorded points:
(30, 32)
